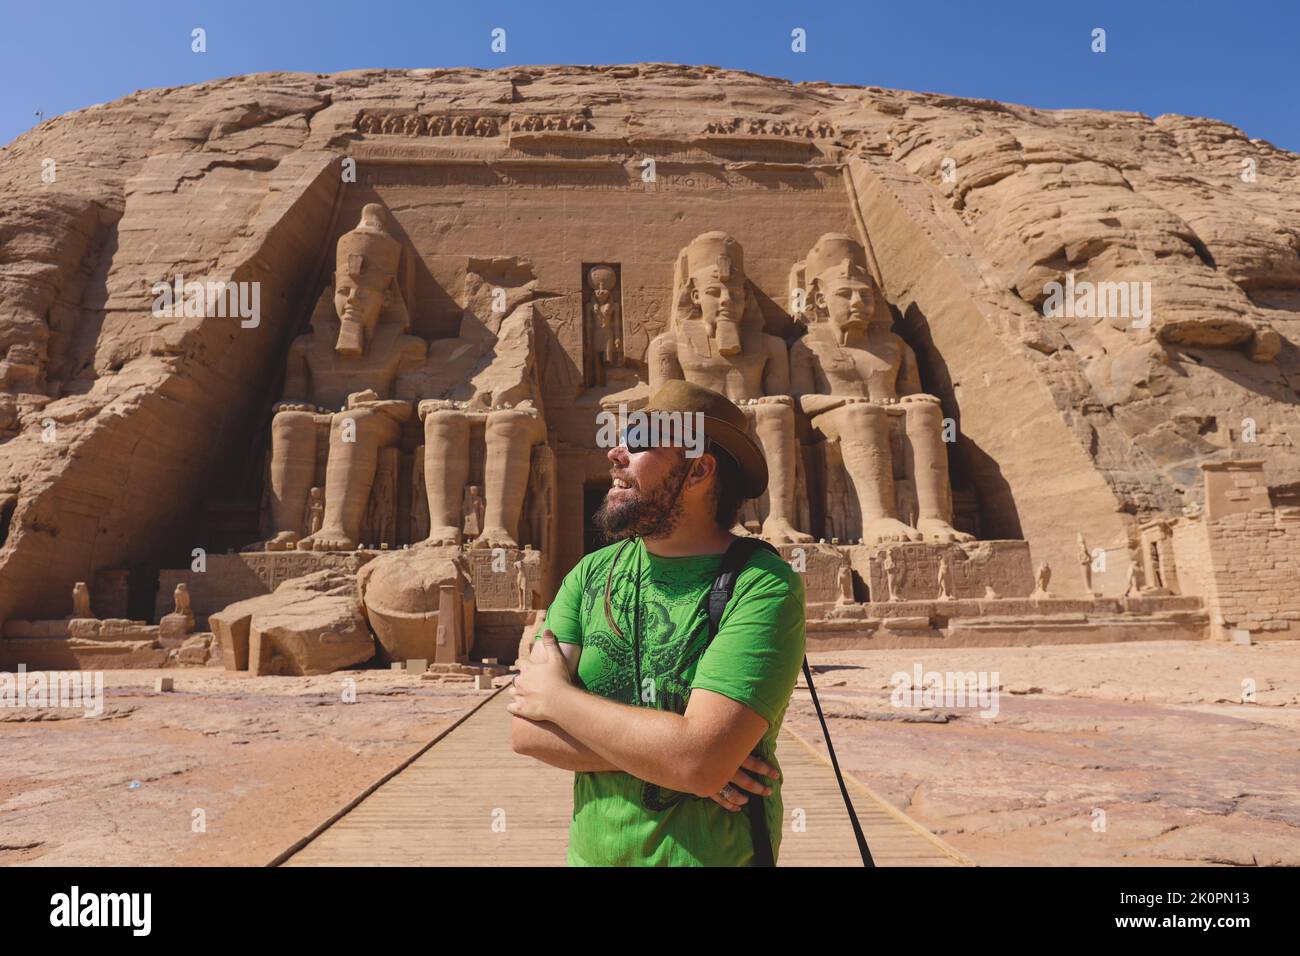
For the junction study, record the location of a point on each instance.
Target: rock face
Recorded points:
(130, 437)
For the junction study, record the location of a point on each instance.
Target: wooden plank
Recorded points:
(470, 800)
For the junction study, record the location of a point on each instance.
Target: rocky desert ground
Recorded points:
(266, 759)
(1126, 754)
(1101, 755)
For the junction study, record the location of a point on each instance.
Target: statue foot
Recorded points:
(445, 535)
(328, 539)
(781, 531)
(941, 531)
(284, 541)
(885, 530)
(495, 538)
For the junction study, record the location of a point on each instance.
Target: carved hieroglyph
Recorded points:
(852, 375)
(343, 372)
(716, 339)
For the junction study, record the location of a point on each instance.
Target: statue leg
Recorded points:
(928, 466)
(774, 427)
(293, 466)
(507, 464)
(446, 472)
(350, 474)
(863, 431)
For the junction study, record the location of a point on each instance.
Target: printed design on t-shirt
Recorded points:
(673, 636)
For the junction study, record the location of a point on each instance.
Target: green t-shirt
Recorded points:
(755, 658)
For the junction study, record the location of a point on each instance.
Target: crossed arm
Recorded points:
(547, 742)
(697, 752)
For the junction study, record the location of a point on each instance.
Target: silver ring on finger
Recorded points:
(726, 792)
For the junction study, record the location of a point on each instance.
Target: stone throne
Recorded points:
(878, 460)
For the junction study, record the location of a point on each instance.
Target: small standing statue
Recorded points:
(315, 510)
(1085, 562)
(1041, 580)
(81, 600)
(845, 582)
(945, 579)
(604, 322)
(1131, 588)
(473, 508)
(521, 582)
(891, 575)
(382, 507)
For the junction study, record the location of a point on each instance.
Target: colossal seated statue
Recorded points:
(343, 373)
(716, 339)
(486, 377)
(853, 375)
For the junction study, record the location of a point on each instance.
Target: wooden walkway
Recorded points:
(470, 800)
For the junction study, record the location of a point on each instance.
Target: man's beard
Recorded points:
(646, 514)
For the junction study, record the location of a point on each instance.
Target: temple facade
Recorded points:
(399, 457)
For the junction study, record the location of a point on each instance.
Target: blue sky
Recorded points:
(1234, 62)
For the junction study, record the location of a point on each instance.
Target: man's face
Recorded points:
(645, 500)
(848, 302)
(359, 299)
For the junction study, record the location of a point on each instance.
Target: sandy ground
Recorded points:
(1117, 754)
(266, 759)
(1098, 754)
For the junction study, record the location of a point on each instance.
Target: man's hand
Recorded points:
(543, 677)
(732, 796)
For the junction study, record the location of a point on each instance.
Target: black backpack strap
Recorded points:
(733, 562)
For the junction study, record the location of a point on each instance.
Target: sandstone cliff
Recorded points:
(117, 425)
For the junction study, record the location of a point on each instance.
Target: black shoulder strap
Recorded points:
(733, 562)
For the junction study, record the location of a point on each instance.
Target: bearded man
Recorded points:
(669, 733)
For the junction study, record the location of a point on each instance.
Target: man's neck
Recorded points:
(688, 540)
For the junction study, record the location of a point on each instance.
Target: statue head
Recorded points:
(841, 289)
(365, 279)
(711, 287)
(602, 280)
